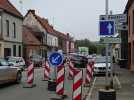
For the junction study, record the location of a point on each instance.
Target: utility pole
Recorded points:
(111, 81)
(107, 9)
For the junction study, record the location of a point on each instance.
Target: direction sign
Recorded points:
(110, 40)
(118, 18)
(56, 59)
(107, 28)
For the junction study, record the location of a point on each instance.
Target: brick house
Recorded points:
(130, 13)
(10, 30)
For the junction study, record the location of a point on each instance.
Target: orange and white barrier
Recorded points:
(77, 85)
(60, 80)
(46, 70)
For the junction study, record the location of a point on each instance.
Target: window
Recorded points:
(0, 24)
(129, 25)
(133, 52)
(7, 27)
(14, 30)
(19, 51)
(14, 50)
(133, 21)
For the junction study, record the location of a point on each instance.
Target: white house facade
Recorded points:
(10, 31)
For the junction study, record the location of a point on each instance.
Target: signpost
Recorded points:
(110, 40)
(83, 50)
(120, 18)
(107, 28)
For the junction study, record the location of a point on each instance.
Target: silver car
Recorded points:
(9, 73)
(100, 65)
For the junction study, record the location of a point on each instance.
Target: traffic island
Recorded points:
(107, 94)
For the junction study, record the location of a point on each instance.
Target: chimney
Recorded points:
(32, 11)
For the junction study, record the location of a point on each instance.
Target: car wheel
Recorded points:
(18, 77)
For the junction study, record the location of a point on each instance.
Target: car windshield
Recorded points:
(3, 62)
(102, 60)
(12, 59)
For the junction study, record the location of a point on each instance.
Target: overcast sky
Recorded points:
(77, 17)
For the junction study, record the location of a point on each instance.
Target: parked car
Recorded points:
(17, 62)
(9, 73)
(79, 61)
(100, 65)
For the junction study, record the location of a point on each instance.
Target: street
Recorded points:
(40, 92)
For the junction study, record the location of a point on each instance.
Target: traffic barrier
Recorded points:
(71, 70)
(77, 85)
(60, 80)
(89, 73)
(30, 76)
(46, 68)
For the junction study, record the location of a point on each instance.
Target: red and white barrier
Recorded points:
(89, 73)
(71, 70)
(77, 85)
(60, 80)
(46, 70)
(30, 74)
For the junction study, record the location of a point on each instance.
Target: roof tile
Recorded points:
(8, 7)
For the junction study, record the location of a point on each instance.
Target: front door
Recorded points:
(7, 52)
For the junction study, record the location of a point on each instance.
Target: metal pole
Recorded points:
(106, 46)
(111, 81)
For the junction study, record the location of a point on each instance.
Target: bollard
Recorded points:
(71, 70)
(46, 71)
(60, 80)
(89, 73)
(30, 76)
(77, 85)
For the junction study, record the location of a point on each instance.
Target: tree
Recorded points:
(86, 43)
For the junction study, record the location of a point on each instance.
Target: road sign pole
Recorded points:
(107, 46)
(111, 81)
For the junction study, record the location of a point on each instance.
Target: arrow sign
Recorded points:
(56, 59)
(107, 28)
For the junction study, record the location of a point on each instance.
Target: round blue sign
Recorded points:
(56, 59)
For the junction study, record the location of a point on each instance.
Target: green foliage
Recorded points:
(92, 46)
(86, 43)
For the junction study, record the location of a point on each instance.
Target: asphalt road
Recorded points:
(40, 92)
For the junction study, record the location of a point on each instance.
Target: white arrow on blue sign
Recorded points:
(107, 28)
(56, 59)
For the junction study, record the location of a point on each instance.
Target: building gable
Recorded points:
(9, 8)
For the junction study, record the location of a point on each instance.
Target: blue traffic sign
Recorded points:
(56, 59)
(107, 28)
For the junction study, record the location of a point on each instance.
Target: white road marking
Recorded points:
(90, 92)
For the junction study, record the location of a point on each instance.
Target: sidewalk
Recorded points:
(124, 92)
